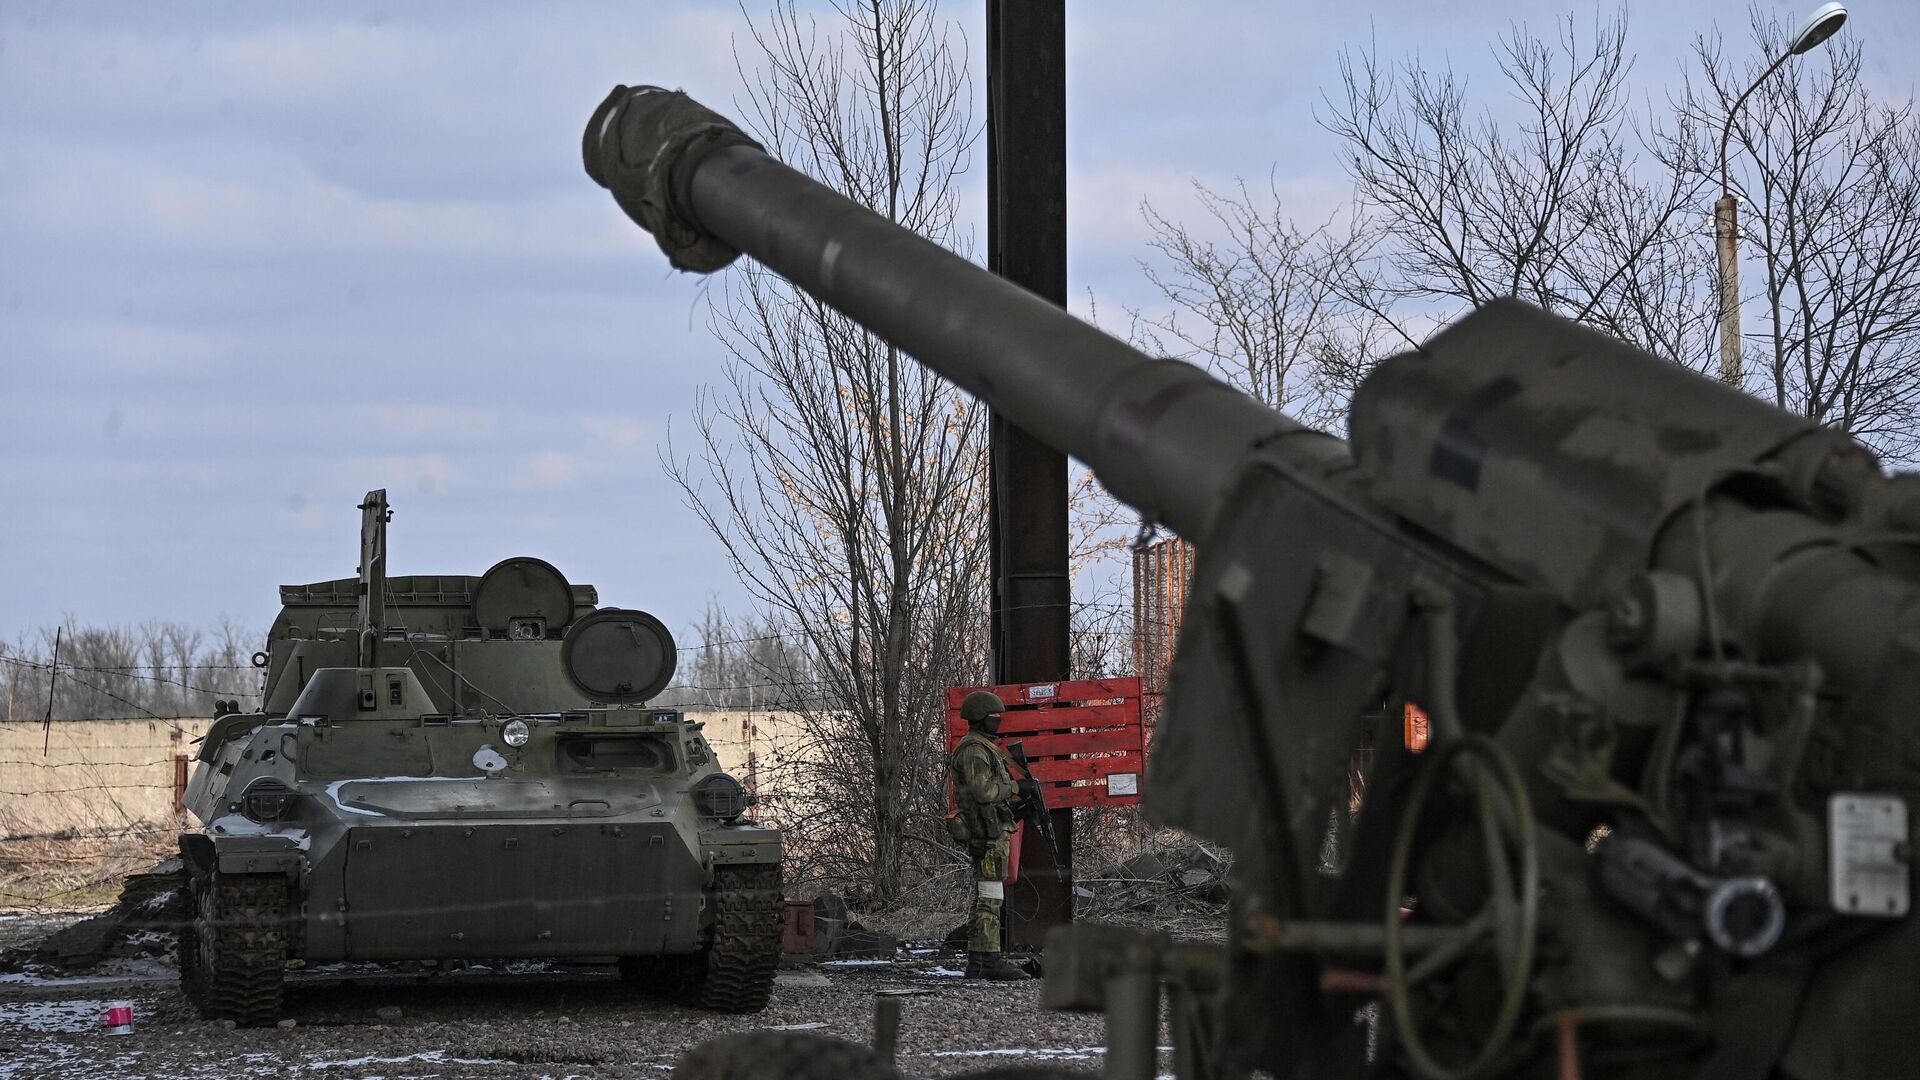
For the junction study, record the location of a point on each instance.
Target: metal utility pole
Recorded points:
(1027, 244)
(1726, 231)
(1821, 25)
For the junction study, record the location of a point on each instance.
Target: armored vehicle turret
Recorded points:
(455, 768)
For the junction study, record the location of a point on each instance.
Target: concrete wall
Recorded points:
(94, 774)
(112, 774)
(100, 803)
(750, 742)
(106, 774)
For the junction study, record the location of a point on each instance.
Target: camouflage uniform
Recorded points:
(984, 791)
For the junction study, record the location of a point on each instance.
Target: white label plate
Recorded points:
(1866, 876)
(1123, 783)
(1035, 693)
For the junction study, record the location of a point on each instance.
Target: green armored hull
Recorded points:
(459, 768)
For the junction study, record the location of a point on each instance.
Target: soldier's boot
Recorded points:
(992, 965)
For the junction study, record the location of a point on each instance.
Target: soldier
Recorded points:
(984, 791)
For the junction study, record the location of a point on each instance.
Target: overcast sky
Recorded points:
(258, 259)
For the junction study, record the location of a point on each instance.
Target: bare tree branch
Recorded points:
(847, 483)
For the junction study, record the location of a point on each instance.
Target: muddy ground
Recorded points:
(579, 1022)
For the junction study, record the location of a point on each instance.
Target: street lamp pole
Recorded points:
(1820, 26)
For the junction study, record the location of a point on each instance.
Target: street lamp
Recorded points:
(1820, 26)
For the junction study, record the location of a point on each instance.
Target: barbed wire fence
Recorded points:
(97, 745)
(97, 726)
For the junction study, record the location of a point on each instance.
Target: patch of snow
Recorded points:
(945, 972)
(1054, 1053)
(241, 825)
(426, 1057)
(854, 963)
(333, 789)
(48, 1059)
(798, 1027)
(73, 1017)
(144, 971)
(138, 969)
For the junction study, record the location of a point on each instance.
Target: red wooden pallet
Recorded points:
(1082, 737)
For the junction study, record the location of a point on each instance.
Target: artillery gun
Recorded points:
(456, 768)
(1668, 638)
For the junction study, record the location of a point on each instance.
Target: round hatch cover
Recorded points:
(523, 589)
(617, 655)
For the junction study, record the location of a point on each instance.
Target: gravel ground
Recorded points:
(21, 927)
(576, 1023)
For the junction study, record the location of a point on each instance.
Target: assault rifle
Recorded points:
(1031, 804)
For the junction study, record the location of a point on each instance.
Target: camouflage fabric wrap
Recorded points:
(637, 126)
(983, 790)
(989, 893)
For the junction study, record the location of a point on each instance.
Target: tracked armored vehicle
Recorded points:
(452, 768)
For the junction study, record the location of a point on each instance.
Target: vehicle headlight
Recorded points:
(515, 733)
(267, 799)
(720, 796)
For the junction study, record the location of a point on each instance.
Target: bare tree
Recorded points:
(847, 483)
(1265, 306)
(1830, 179)
(734, 663)
(156, 670)
(1545, 198)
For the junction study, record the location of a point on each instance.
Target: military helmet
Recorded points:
(979, 705)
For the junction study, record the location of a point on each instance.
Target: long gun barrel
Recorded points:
(1668, 637)
(1154, 430)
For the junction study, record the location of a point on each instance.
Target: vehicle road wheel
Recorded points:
(781, 1055)
(735, 973)
(233, 953)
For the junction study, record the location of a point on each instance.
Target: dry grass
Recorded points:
(73, 872)
(85, 803)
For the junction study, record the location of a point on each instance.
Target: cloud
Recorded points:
(422, 422)
(470, 70)
(1221, 59)
(258, 205)
(550, 470)
(620, 432)
(301, 252)
(124, 349)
